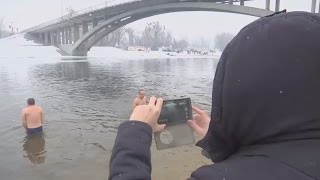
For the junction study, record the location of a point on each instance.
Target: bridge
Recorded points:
(74, 34)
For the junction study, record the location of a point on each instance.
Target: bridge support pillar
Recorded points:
(58, 37)
(46, 38)
(66, 35)
(84, 28)
(230, 1)
(69, 35)
(95, 23)
(80, 51)
(241, 2)
(313, 6)
(277, 5)
(65, 31)
(52, 38)
(49, 38)
(40, 37)
(76, 33)
(63, 38)
(268, 4)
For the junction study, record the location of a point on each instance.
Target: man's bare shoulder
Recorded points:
(136, 100)
(24, 110)
(39, 108)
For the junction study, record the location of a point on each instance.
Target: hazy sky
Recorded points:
(190, 25)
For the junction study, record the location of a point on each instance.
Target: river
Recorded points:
(84, 103)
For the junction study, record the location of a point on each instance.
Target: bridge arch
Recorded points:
(83, 45)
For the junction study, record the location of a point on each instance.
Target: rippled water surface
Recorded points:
(84, 102)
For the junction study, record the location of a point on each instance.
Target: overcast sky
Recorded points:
(189, 25)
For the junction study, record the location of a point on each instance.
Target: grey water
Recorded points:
(84, 102)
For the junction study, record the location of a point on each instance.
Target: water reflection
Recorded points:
(82, 78)
(73, 71)
(34, 146)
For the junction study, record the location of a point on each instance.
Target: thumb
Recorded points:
(194, 126)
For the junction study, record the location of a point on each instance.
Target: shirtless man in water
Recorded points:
(140, 100)
(32, 117)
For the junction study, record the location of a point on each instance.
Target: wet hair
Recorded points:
(31, 101)
(141, 90)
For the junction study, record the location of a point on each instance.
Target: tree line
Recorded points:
(155, 36)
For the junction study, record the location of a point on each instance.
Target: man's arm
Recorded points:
(131, 157)
(134, 105)
(24, 119)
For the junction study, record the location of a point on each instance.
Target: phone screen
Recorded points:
(175, 111)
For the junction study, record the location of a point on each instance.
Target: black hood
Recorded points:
(266, 89)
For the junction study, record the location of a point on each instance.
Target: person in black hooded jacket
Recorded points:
(265, 118)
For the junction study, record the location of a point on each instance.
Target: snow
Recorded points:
(17, 46)
(122, 54)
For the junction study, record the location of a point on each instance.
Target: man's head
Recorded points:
(142, 93)
(31, 101)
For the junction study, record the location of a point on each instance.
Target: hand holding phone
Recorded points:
(149, 113)
(200, 122)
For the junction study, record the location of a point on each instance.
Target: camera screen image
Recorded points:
(175, 111)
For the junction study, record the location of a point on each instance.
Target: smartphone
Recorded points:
(175, 114)
(175, 111)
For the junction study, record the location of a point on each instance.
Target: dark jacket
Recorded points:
(265, 108)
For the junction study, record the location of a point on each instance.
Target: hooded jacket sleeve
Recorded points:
(131, 157)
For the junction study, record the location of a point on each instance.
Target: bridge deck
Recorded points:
(102, 11)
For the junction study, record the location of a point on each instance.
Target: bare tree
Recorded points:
(222, 40)
(153, 36)
(138, 39)
(158, 34)
(182, 44)
(168, 39)
(201, 43)
(114, 39)
(147, 35)
(131, 35)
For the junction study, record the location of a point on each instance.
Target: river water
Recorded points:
(84, 103)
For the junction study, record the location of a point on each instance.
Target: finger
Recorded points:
(152, 101)
(160, 128)
(196, 117)
(197, 110)
(194, 126)
(159, 103)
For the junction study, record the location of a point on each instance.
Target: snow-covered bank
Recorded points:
(18, 46)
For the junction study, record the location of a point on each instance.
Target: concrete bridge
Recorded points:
(76, 33)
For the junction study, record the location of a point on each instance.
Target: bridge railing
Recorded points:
(100, 6)
(107, 4)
